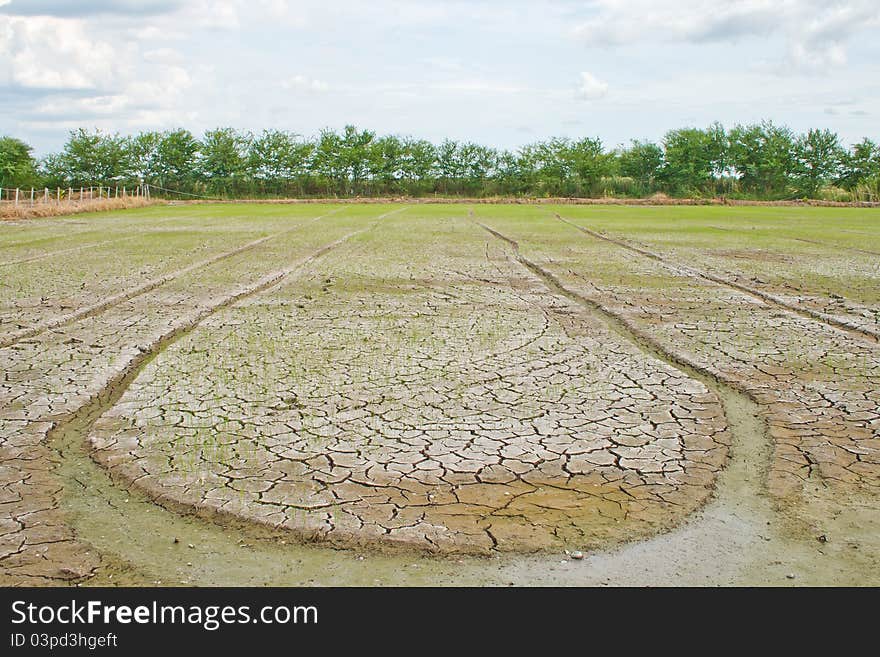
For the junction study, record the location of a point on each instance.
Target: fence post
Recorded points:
(70, 193)
(80, 194)
(100, 191)
(58, 195)
(16, 196)
(123, 191)
(45, 194)
(32, 196)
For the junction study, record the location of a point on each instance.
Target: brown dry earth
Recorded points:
(816, 378)
(51, 375)
(451, 384)
(451, 403)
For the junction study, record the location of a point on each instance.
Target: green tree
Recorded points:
(17, 166)
(818, 156)
(642, 161)
(587, 163)
(355, 150)
(762, 155)
(176, 159)
(328, 164)
(276, 158)
(859, 164)
(694, 159)
(223, 158)
(143, 150)
(94, 158)
(386, 162)
(418, 163)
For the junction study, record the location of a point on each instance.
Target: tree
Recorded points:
(419, 160)
(588, 163)
(450, 167)
(643, 162)
(223, 157)
(328, 161)
(277, 157)
(143, 150)
(386, 161)
(93, 158)
(17, 165)
(546, 167)
(694, 158)
(355, 147)
(477, 164)
(763, 157)
(176, 158)
(818, 156)
(859, 164)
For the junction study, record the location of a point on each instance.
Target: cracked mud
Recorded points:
(420, 379)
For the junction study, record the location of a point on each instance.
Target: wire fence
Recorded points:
(33, 196)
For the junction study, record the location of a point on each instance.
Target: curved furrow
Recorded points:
(858, 331)
(37, 494)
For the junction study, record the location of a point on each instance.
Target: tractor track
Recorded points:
(69, 432)
(813, 315)
(89, 311)
(728, 541)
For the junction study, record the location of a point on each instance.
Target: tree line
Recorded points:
(756, 161)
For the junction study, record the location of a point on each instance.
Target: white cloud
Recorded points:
(591, 87)
(815, 31)
(88, 7)
(51, 53)
(305, 84)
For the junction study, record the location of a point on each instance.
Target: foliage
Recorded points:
(17, 165)
(760, 160)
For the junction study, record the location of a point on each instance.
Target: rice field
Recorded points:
(441, 394)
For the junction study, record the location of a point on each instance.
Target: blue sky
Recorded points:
(500, 73)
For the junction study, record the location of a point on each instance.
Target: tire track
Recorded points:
(739, 498)
(84, 417)
(620, 324)
(17, 336)
(82, 247)
(814, 315)
(67, 433)
(49, 254)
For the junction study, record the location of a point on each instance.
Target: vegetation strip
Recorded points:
(757, 161)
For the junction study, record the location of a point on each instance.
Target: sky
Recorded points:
(502, 73)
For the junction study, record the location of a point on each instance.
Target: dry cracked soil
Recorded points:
(435, 394)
